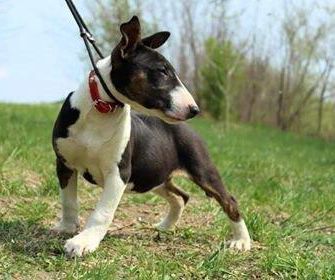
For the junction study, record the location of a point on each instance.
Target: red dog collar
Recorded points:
(99, 104)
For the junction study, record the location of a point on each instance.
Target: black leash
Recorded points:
(89, 39)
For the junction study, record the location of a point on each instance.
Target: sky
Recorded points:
(41, 53)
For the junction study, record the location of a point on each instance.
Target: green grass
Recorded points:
(285, 185)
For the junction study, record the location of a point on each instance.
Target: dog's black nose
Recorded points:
(194, 110)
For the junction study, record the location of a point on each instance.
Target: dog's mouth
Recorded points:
(169, 116)
(181, 114)
(172, 120)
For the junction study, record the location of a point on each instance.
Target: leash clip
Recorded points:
(88, 35)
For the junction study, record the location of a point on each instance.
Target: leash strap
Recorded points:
(89, 39)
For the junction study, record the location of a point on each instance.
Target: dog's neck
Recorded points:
(105, 125)
(105, 67)
(82, 98)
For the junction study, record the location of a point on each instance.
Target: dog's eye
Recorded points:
(163, 70)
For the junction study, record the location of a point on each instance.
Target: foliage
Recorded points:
(222, 76)
(107, 16)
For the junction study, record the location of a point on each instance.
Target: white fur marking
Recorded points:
(175, 211)
(97, 225)
(96, 141)
(69, 222)
(241, 239)
(95, 144)
(129, 187)
(181, 99)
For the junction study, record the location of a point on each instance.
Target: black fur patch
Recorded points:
(151, 153)
(63, 172)
(171, 187)
(125, 163)
(66, 117)
(88, 176)
(158, 149)
(145, 77)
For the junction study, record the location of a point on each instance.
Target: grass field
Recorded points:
(285, 185)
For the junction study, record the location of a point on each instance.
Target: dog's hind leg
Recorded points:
(211, 183)
(203, 172)
(208, 178)
(177, 200)
(69, 222)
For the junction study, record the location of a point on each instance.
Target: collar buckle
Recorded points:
(104, 106)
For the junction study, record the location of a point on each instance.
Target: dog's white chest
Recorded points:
(96, 143)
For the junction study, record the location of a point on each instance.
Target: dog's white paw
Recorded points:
(63, 227)
(241, 239)
(243, 244)
(163, 226)
(81, 244)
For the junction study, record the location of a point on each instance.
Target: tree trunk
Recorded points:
(280, 99)
(251, 103)
(320, 113)
(322, 98)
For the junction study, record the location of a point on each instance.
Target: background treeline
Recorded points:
(283, 78)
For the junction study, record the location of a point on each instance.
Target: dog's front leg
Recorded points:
(69, 222)
(99, 221)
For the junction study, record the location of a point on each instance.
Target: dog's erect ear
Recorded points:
(156, 40)
(131, 35)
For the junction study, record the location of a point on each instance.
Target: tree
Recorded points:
(322, 96)
(107, 17)
(302, 70)
(222, 78)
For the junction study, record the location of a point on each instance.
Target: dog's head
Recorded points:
(145, 80)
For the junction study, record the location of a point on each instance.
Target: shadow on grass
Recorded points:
(33, 239)
(30, 239)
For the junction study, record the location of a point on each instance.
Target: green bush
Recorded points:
(222, 75)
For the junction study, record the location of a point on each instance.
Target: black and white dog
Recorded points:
(118, 149)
